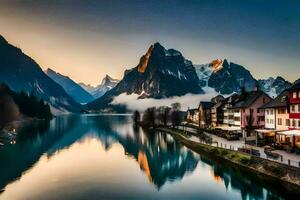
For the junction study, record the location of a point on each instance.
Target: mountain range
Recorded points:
(22, 73)
(72, 88)
(107, 84)
(160, 73)
(274, 86)
(163, 73)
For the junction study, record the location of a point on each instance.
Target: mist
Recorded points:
(187, 101)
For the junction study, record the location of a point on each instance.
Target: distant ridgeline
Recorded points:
(15, 106)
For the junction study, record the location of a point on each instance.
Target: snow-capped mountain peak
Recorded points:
(107, 84)
(273, 86)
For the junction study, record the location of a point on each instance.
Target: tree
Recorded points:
(249, 120)
(163, 115)
(8, 109)
(149, 117)
(136, 117)
(175, 115)
(176, 106)
(176, 118)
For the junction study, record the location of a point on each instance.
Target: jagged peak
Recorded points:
(2, 39)
(49, 70)
(108, 79)
(216, 64)
(145, 58)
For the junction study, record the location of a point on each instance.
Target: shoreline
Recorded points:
(241, 161)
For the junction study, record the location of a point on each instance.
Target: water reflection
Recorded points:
(162, 160)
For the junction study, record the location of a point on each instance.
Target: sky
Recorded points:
(88, 39)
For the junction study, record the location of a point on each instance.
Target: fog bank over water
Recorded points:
(187, 101)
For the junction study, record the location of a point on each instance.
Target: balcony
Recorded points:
(294, 100)
(294, 115)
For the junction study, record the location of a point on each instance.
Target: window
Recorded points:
(294, 123)
(287, 122)
(268, 121)
(279, 121)
(271, 112)
(299, 123)
(293, 108)
(298, 108)
(237, 119)
(257, 110)
(268, 112)
(294, 95)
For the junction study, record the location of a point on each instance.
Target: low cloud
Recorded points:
(189, 100)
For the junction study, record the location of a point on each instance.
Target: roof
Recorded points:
(206, 104)
(281, 100)
(247, 99)
(192, 111)
(290, 132)
(295, 85)
(217, 105)
(228, 128)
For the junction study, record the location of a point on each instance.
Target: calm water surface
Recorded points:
(105, 157)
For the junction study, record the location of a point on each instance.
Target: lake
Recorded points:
(106, 157)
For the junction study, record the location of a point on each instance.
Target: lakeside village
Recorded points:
(248, 131)
(254, 123)
(255, 130)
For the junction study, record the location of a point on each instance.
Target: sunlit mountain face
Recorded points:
(104, 153)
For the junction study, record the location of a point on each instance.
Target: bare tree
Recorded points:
(163, 115)
(176, 106)
(176, 118)
(136, 117)
(149, 117)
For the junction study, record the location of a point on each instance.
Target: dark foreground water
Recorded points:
(105, 157)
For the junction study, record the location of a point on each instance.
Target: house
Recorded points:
(245, 110)
(276, 119)
(228, 118)
(217, 113)
(204, 111)
(192, 115)
(277, 112)
(294, 115)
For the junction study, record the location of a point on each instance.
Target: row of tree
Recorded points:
(12, 104)
(163, 115)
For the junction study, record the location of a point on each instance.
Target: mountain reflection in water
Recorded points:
(173, 170)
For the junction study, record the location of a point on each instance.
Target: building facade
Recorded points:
(294, 115)
(204, 111)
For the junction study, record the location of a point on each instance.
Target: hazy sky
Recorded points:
(87, 39)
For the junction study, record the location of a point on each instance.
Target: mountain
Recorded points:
(204, 71)
(72, 88)
(107, 84)
(160, 73)
(273, 87)
(87, 87)
(225, 77)
(22, 73)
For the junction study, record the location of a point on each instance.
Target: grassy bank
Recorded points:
(287, 177)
